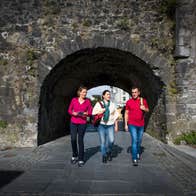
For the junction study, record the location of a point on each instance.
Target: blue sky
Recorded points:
(97, 90)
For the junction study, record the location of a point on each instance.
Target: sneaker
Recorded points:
(135, 162)
(74, 160)
(80, 163)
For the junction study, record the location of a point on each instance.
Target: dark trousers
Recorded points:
(77, 134)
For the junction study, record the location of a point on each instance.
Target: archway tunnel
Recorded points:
(94, 67)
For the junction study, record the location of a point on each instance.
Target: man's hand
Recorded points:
(126, 127)
(142, 107)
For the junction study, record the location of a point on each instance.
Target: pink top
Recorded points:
(135, 114)
(75, 106)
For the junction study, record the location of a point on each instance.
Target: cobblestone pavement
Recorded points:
(46, 170)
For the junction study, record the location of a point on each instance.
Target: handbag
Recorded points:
(97, 117)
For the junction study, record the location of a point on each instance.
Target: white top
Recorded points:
(113, 113)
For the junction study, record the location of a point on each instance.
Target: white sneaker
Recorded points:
(80, 163)
(74, 160)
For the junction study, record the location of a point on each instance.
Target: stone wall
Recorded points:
(185, 54)
(37, 35)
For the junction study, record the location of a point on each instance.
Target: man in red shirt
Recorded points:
(134, 121)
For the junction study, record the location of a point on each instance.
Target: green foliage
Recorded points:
(189, 138)
(51, 7)
(74, 26)
(3, 61)
(172, 88)
(87, 23)
(31, 56)
(168, 7)
(3, 124)
(123, 24)
(95, 99)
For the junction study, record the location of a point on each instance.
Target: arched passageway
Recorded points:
(91, 67)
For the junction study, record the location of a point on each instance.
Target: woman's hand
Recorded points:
(116, 128)
(102, 110)
(75, 113)
(85, 113)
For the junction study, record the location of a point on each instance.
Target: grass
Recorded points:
(189, 138)
(123, 24)
(3, 124)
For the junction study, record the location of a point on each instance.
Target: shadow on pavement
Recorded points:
(7, 176)
(89, 152)
(116, 150)
(129, 149)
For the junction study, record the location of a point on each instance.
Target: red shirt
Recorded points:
(75, 106)
(135, 114)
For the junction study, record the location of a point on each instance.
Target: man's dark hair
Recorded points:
(134, 87)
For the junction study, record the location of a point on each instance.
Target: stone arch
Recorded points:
(94, 62)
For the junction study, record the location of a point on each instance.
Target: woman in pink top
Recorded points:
(79, 108)
(134, 121)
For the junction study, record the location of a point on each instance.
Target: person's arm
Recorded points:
(89, 109)
(144, 106)
(126, 120)
(116, 125)
(70, 109)
(116, 116)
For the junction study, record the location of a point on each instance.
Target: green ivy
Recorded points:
(168, 7)
(123, 24)
(3, 124)
(189, 138)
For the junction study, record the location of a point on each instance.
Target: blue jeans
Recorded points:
(106, 135)
(136, 135)
(77, 135)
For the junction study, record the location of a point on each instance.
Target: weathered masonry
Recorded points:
(48, 48)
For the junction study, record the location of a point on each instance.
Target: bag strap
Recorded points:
(101, 104)
(141, 101)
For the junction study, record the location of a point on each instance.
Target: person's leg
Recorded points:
(73, 128)
(140, 131)
(81, 132)
(133, 132)
(110, 137)
(102, 137)
(109, 141)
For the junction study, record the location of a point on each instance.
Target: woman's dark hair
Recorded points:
(104, 92)
(80, 89)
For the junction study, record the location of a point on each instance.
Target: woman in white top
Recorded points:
(107, 126)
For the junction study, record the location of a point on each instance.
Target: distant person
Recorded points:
(123, 114)
(79, 109)
(107, 126)
(134, 121)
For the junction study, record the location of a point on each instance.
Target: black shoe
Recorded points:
(80, 163)
(74, 160)
(135, 162)
(109, 156)
(104, 159)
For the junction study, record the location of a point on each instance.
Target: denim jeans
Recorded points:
(106, 135)
(136, 136)
(78, 130)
